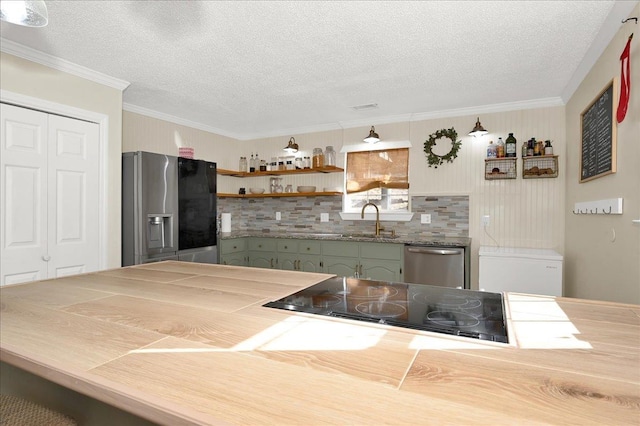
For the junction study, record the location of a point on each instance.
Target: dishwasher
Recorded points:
(440, 266)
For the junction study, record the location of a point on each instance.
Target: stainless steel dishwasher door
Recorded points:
(441, 266)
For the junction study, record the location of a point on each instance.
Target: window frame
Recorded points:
(370, 214)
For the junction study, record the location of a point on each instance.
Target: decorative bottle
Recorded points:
(491, 150)
(500, 148)
(511, 146)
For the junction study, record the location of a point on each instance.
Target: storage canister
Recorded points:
(329, 157)
(318, 158)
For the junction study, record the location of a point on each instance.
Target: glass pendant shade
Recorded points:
(478, 130)
(26, 13)
(292, 146)
(373, 136)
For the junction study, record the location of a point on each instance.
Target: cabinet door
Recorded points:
(235, 259)
(309, 263)
(288, 261)
(340, 266)
(259, 259)
(381, 270)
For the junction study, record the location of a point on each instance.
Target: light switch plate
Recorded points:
(324, 217)
(486, 220)
(425, 218)
(278, 216)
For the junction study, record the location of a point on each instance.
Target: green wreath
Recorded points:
(435, 159)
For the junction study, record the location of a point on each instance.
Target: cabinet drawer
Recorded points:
(340, 248)
(233, 246)
(381, 251)
(262, 244)
(309, 247)
(287, 246)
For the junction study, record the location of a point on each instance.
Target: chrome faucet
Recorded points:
(378, 227)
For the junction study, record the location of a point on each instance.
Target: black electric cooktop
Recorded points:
(467, 313)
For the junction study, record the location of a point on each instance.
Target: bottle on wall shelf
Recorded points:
(510, 147)
(524, 148)
(500, 148)
(242, 166)
(491, 150)
(530, 144)
(548, 149)
(252, 164)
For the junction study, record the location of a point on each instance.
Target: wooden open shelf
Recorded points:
(284, 194)
(279, 172)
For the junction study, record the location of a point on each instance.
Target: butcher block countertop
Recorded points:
(184, 343)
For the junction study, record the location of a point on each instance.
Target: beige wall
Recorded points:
(27, 78)
(603, 252)
(524, 213)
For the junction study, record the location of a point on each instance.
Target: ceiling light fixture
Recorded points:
(478, 130)
(292, 147)
(373, 136)
(25, 13)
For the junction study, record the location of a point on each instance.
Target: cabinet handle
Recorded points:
(46, 258)
(308, 248)
(360, 270)
(297, 265)
(356, 275)
(259, 245)
(235, 247)
(285, 247)
(272, 262)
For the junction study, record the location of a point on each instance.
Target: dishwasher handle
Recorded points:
(425, 250)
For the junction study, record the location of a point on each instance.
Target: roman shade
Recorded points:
(368, 170)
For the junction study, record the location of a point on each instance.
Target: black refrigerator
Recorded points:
(197, 219)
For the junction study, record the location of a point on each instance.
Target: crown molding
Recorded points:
(33, 55)
(181, 121)
(612, 24)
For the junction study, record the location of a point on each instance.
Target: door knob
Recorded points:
(46, 258)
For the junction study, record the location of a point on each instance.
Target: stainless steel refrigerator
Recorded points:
(197, 211)
(168, 209)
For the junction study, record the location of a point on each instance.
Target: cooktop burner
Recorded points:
(468, 313)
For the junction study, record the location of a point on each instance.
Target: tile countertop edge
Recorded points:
(136, 402)
(429, 241)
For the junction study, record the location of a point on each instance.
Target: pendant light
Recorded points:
(292, 147)
(26, 13)
(478, 130)
(373, 136)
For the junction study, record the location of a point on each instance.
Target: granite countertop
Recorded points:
(361, 237)
(181, 343)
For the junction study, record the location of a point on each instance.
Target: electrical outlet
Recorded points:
(324, 217)
(278, 216)
(425, 218)
(486, 220)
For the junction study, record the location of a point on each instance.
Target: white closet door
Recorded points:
(49, 197)
(23, 199)
(73, 196)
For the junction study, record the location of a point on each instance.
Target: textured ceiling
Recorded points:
(251, 69)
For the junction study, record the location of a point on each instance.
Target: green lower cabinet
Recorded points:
(380, 270)
(260, 259)
(287, 261)
(233, 252)
(234, 259)
(309, 263)
(340, 266)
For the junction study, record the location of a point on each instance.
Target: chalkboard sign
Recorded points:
(598, 156)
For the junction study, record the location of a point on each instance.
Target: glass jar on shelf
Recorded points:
(329, 157)
(318, 158)
(306, 162)
(298, 163)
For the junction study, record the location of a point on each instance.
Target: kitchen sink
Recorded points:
(388, 236)
(315, 234)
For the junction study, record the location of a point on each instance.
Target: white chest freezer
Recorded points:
(521, 270)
